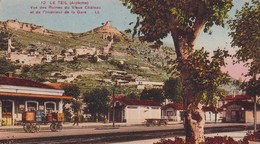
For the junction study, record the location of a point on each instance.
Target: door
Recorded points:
(235, 116)
(7, 108)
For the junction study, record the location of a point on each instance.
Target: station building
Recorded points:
(18, 95)
(136, 111)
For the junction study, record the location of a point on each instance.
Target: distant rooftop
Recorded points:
(237, 97)
(22, 82)
(138, 102)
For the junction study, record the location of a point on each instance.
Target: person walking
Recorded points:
(76, 120)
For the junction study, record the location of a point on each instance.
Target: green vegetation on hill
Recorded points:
(139, 59)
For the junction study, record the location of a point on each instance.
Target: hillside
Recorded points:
(108, 49)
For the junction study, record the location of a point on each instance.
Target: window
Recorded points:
(31, 105)
(169, 113)
(117, 103)
(50, 106)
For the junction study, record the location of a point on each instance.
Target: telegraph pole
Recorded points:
(113, 119)
(255, 113)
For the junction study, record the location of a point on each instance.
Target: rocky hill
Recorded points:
(82, 58)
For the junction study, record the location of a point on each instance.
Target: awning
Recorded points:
(11, 94)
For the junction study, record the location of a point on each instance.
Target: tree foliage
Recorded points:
(40, 72)
(77, 105)
(245, 38)
(172, 89)
(71, 90)
(132, 95)
(183, 18)
(206, 75)
(152, 94)
(245, 32)
(97, 101)
(4, 40)
(6, 66)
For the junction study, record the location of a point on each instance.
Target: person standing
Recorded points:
(76, 120)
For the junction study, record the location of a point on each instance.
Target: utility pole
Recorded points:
(113, 106)
(255, 113)
(253, 90)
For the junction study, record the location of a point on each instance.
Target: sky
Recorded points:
(111, 10)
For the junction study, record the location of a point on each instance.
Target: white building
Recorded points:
(136, 111)
(49, 58)
(148, 84)
(212, 114)
(173, 112)
(85, 51)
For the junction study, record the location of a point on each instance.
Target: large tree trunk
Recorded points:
(194, 118)
(194, 124)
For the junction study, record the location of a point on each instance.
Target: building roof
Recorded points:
(176, 106)
(57, 85)
(211, 109)
(244, 104)
(138, 102)
(11, 94)
(179, 106)
(23, 82)
(237, 97)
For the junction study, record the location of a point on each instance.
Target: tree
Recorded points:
(6, 66)
(97, 101)
(71, 90)
(77, 105)
(4, 36)
(152, 94)
(245, 37)
(132, 95)
(172, 89)
(184, 20)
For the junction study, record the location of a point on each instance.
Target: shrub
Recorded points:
(220, 140)
(177, 140)
(208, 140)
(216, 140)
(251, 137)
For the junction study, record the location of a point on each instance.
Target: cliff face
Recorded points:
(107, 28)
(16, 25)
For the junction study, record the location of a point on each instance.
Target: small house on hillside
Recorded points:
(136, 111)
(173, 112)
(18, 95)
(149, 84)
